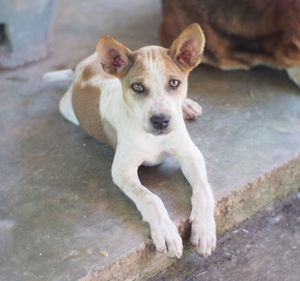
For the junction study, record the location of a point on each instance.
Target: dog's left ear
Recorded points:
(187, 49)
(114, 56)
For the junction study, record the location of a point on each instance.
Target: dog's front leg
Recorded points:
(163, 231)
(203, 234)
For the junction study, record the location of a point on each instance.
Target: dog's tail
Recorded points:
(60, 75)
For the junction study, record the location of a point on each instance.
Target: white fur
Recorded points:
(61, 75)
(135, 145)
(294, 74)
(293, 71)
(66, 108)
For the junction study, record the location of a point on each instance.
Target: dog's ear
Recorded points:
(187, 49)
(115, 57)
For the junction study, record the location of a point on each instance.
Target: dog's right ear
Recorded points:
(114, 56)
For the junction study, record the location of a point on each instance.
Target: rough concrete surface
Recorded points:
(60, 214)
(265, 247)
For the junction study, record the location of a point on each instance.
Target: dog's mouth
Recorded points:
(159, 132)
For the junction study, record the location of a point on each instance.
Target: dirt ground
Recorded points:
(264, 247)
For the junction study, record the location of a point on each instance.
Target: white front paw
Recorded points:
(166, 238)
(203, 235)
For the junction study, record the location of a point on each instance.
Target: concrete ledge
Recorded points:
(144, 262)
(251, 198)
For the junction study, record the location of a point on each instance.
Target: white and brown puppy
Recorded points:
(134, 101)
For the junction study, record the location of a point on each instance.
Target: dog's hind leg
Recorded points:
(66, 108)
(191, 109)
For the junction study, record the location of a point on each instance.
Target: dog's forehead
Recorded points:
(154, 58)
(150, 53)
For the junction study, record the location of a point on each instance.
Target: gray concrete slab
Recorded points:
(61, 215)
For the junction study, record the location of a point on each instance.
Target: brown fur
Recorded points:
(91, 70)
(171, 67)
(239, 33)
(85, 101)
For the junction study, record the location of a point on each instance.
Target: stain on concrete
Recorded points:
(16, 79)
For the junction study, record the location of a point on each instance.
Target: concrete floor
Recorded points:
(265, 247)
(60, 214)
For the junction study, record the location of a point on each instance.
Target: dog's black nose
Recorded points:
(160, 121)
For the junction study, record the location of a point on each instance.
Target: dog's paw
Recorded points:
(203, 235)
(191, 109)
(167, 239)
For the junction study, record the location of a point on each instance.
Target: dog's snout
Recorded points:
(160, 121)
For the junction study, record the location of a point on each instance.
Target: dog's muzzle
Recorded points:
(160, 123)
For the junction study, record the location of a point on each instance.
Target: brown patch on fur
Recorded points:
(171, 66)
(137, 69)
(239, 33)
(91, 70)
(85, 101)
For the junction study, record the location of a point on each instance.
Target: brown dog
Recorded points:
(240, 33)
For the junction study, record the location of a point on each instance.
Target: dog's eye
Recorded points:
(137, 87)
(174, 84)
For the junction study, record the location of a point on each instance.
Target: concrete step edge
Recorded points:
(144, 261)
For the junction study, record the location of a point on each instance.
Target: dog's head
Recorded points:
(154, 79)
